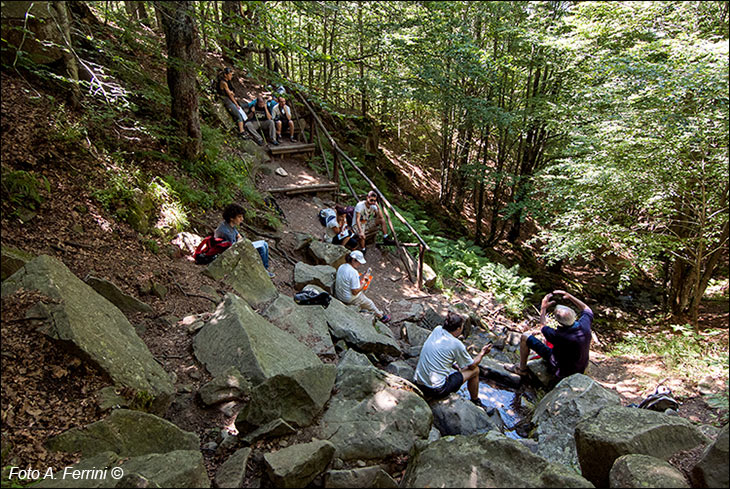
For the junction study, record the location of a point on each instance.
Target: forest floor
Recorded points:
(46, 390)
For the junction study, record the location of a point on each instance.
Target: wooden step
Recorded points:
(291, 148)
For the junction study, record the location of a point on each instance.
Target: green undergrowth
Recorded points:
(686, 353)
(454, 258)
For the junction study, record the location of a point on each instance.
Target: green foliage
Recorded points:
(22, 188)
(685, 353)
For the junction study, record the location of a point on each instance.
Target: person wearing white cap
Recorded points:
(571, 341)
(349, 288)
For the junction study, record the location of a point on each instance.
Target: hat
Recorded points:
(565, 315)
(357, 255)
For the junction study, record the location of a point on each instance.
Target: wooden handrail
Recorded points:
(337, 149)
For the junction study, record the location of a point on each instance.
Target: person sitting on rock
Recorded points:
(444, 364)
(571, 340)
(232, 217)
(260, 119)
(349, 288)
(365, 211)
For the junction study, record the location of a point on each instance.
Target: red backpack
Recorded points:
(209, 249)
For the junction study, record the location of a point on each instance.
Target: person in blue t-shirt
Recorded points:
(571, 341)
(232, 217)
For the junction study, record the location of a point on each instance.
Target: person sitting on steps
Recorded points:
(223, 89)
(336, 229)
(365, 210)
(260, 119)
(349, 288)
(232, 217)
(571, 340)
(444, 364)
(282, 115)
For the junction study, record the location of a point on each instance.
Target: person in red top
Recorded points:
(571, 341)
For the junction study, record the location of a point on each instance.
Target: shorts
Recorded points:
(539, 347)
(451, 384)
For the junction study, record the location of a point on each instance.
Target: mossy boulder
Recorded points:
(635, 470)
(12, 260)
(240, 267)
(615, 431)
(81, 318)
(298, 465)
(488, 460)
(127, 433)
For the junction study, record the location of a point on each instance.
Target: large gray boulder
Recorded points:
(231, 385)
(351, 358)
(374, 477)
(295, 397)
(34, 26)
(712, 469)
(406, 311)
(179, 468)
(305, 323)
(414, 334)
(327, 253)
(298, 465)
(540, 371)
(374, 415)
(236, 336)
(636, 470)
(401, 369)
(12, 260)
(240, 267)
(127, 433)
(346, 323)
(320, 275)
(125, 302)
(493, 369)
(574, 398)
(614, 431)
(80, 317)
(455, 415)
(232, 472)
(487, 460)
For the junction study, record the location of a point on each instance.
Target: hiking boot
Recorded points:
(244, 135)
(293, 139)
(271, 274)
(260, 142)
(275, 142)
(385, 318)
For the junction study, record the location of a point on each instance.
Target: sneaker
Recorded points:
(477, 402)
(293, 139)
(260, 142)
(271, 274)
(385, 318)
(244, 135)
(275, 143)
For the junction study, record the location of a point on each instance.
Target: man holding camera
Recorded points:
(571, 340)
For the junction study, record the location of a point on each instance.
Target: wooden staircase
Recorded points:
(289, 148)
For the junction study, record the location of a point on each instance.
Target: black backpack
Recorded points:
(309, 297)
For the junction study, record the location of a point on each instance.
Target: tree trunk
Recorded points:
(69, 59)
(183, 59)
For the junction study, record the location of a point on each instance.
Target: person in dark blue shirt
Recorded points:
(571, 341)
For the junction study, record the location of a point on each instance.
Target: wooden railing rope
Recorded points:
(382, 198)
(337, 166)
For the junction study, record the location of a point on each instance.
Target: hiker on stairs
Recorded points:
(571, 340)
(232, 217)
(367, 216)
(282, 115)
(259, 119)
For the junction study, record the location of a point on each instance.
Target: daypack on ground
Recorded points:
(660, 401)
(309, 297)
(209, 249)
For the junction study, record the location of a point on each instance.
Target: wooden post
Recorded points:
(420, 266)
(336, 175)
(321, 150)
